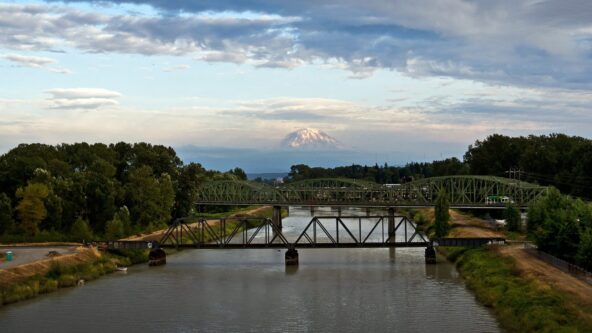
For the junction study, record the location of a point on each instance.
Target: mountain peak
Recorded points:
(309, 138)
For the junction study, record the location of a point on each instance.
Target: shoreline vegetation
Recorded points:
(48, 275)
(522, 301)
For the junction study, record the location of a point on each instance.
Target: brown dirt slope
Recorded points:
(468, 226)
(528, 265)
(41, 267)
(157, 235)
(548, 275)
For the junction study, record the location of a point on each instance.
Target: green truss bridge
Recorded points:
(463, 192)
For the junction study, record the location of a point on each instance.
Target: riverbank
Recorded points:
(87, 263)
(44, 276)
(526, 294)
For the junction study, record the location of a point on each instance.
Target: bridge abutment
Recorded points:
(291, 257)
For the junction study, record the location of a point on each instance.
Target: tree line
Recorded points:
(80, 191)
(562, 161)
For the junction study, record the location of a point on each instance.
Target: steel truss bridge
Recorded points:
(321, 232)
(462, 191)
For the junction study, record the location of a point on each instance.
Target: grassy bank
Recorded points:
(521, 304)
(60, 275)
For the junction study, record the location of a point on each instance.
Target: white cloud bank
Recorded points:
(34, 62)
(82, 98)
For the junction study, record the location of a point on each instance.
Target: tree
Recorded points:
(6, 220)
(31, 209)
(150, 199)
(512, 217)
(554, 224)
(189, 179)
(123, 215)
(239, 173)
(81, 230)
(441, 214)
(114, 229)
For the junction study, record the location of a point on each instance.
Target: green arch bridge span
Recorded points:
(462, 191)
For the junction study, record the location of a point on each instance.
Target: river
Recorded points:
(332, 290)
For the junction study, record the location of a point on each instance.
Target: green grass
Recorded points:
(519, 303)
(59, 277)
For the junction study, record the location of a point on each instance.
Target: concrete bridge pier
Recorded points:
(156, 257)
(276, 217)
(291, 257)
(430, 254)
(391, 224)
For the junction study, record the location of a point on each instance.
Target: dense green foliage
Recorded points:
(78, 191)
(382, 174)
(520, 304)
(512, 217)
(442, 214)
(557, 159)
(562, 226)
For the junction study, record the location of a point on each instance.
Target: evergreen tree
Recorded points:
(442, 215)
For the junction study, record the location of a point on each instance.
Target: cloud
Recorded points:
(35, 62)
(28, 60)
(82, 98)
(176, 68)
(527, 43)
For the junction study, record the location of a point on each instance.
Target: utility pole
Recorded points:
(514, 174)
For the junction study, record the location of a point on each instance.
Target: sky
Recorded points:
(224, 81)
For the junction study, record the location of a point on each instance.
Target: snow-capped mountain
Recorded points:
(310, 138)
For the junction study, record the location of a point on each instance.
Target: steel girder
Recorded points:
(462, 191)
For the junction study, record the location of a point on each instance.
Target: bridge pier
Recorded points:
(156, 257)
(430, 255)
(276, 217)
(391, 224)
(291, 257)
